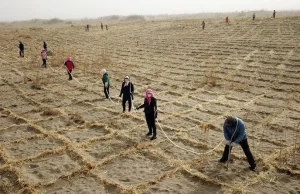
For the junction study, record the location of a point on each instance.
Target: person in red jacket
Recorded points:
(69, 66)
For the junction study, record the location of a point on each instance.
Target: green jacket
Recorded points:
(105, 79)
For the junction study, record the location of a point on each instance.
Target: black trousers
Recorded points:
(44, 63)
(125, 99)
(151, 123)
(106, 92)
(70, 74)
(21, 53)
(245, 146)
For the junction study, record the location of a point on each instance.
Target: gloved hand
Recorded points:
(120, 95)
(155, 115)
(228, 142)
(233, 144)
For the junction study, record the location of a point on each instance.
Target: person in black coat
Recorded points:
(21, 47)
(127, 90)
(150, 109)
(45, 46)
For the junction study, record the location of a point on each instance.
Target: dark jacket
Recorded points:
(127, 91)
(21, 46)
(240, 133)
(45, 46)
(149, 108)
(105, 79)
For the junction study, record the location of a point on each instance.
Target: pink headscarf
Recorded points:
(68, 59)
(149, 91)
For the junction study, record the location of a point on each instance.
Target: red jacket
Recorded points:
(70, 65)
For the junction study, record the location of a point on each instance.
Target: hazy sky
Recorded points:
(76, 9)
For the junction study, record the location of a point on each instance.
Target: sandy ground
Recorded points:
(60, 136)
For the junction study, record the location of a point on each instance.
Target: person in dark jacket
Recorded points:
(69, 66)
(21, 47)
(45, 46)
(106, 82)
(203, 25)
(253, 17)
(150, 109)
(235, 134)
(127, 90)
(101, 26)
(274, 14)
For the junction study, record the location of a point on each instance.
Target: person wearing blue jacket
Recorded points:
(235, 134)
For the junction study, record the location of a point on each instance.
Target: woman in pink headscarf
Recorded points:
(150, 109)
(69, 66)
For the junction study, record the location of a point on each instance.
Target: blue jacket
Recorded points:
(240, 133)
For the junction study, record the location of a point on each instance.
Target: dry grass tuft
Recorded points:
(210, 79)
(77, 119)
(50, 112)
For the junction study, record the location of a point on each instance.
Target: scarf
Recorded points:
(149, 91)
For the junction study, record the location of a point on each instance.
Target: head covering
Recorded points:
(68, 59)
(103, 71)
(231, 121)
(148, 91)
(126, 82)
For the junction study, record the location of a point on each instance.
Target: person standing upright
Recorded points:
(106, 82)
(150, 110)
(127, 90)
(21, 47)
(69, 66)
(44, 58)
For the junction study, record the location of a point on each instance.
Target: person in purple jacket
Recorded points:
(235, 134)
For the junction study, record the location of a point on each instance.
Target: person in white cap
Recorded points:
(106, 82)
(127, 90)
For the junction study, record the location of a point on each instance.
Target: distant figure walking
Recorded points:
(253, 17)
(227, 20)
(45, 46)
(69, 66)
(106, 27)
(44, 58)
(87, 27)
(127, 90)
(203, 25)
(101, 26)
(274, 14)
(21, 47)
(106, 82)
